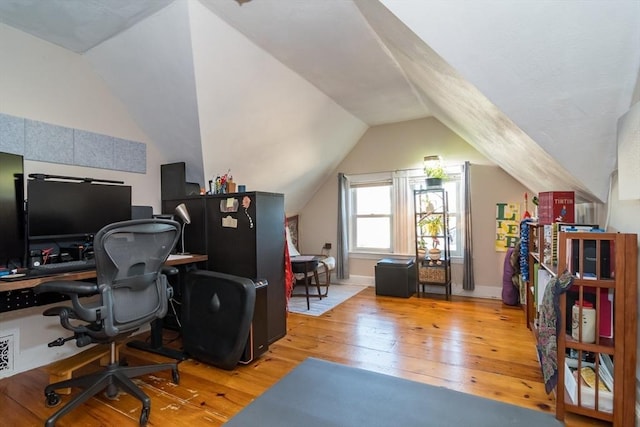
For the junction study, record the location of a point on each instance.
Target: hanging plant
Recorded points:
(435, 172)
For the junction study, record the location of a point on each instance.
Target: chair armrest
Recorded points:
(169, 270)
(68, 287)
(328, 262)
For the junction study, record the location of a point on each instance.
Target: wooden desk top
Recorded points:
(87, 274)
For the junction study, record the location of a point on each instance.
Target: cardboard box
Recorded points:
(556, 206)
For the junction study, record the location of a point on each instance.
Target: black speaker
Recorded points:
(191, 189)
(141, 212)
(173, 180)
(258, 341)
(217, 311)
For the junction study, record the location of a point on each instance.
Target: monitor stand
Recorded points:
(155, 344)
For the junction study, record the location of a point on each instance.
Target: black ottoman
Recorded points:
(395, 277)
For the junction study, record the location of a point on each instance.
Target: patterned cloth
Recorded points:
(549, 328)
(524, 249)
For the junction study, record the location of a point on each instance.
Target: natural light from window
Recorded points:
(382, 212)
(373, 217)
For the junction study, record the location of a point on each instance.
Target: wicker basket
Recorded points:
(432, 274)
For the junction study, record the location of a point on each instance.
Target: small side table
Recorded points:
(306, 264)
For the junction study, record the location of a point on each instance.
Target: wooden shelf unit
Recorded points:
(431, 205)
(610, 267)
(537, 243)
(534, 244)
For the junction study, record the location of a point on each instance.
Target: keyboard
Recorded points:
(63, 267)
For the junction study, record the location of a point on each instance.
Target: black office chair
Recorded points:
(130, 292)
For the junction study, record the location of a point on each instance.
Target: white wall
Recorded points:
(43, 82)
(403, 146)
(624, 218)
(267, 124)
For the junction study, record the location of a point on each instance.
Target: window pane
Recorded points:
(373, 233)
(373, 200)
(378, 225)
(453, 234)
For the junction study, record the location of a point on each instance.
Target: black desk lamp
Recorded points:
(183, 214)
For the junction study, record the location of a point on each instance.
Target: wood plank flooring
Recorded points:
(471, 345)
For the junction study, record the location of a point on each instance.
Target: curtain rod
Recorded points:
(401, 170)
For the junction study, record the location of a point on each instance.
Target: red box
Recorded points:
(556, 206)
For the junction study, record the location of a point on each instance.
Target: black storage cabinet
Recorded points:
(395, 277)
(253, 247)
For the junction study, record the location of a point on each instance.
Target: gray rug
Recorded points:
(318, 393)
(338, 294)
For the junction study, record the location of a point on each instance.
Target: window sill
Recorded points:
(378, 255)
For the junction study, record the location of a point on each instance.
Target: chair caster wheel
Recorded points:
(144, 416)
(111, 392)
(53, 399)
(175, 375)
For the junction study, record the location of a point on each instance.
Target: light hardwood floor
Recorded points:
(470, 345)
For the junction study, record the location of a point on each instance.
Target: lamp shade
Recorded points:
(183, 213)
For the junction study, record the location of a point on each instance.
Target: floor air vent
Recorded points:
(7, 351)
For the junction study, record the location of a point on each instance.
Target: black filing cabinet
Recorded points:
(395, 277)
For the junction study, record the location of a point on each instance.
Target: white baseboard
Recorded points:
(637, 402)
(356, 280)
(488, 292)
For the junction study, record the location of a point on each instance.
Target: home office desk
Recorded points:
(18, 294)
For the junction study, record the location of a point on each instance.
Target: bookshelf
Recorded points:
(534, 244)
(542, 267)
(597, 351)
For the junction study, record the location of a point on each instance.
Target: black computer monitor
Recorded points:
(65, 210)
(12, 235)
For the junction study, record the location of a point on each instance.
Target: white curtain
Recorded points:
(402, 198)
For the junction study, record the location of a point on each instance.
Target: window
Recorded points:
(371, 217)
(381, 211)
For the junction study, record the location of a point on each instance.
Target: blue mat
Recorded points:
(318, 393)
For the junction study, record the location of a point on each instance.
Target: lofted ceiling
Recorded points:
(536, 86)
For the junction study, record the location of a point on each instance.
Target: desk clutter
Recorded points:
(53, 230)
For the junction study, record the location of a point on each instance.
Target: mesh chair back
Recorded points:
(129, 256)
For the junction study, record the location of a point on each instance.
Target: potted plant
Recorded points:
(422, 249)
(435, 175)
(435, 225)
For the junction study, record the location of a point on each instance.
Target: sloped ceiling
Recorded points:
(535, 86)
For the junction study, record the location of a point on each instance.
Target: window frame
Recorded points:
(354, 216)
(416, 180)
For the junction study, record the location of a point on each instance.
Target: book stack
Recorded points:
(556, 206)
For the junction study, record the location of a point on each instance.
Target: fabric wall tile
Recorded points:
(57, 144)
(93, 150)
(11, 134)
(48, 143)
(130, 156)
